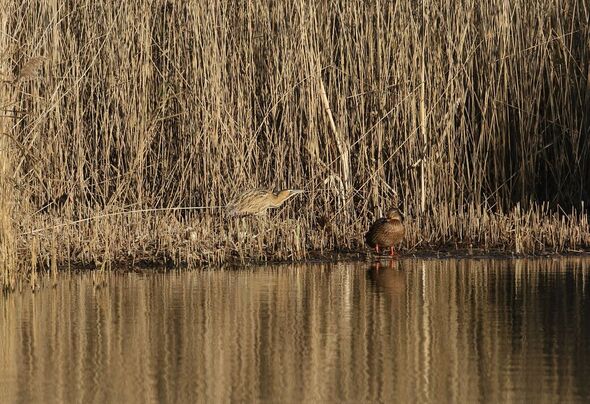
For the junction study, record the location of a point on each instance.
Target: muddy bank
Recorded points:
(159, 264)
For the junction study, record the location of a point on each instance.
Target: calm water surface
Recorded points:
(410, 331)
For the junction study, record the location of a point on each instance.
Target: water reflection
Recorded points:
(425, 330)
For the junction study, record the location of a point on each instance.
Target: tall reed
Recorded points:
(455, 111)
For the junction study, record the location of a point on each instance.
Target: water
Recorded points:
(411, 331)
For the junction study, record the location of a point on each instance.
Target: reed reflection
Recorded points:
(403, 330)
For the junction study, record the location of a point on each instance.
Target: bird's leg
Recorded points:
(377, 248)
(392, 252)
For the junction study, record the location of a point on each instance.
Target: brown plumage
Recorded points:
(257, 201)
(386, 231)
(30, 67)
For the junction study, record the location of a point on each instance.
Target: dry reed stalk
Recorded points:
(9, 263)
(423, 122)
(341, 143)
(8, 241)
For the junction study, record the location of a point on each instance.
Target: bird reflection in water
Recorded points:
(387, 278)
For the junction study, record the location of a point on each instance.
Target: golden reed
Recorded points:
(471, 117)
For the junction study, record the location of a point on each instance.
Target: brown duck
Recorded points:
(386, 231)
(257, 201)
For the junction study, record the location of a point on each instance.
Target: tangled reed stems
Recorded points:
(472, 117)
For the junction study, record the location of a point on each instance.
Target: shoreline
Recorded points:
(46, 275)
(145, 265)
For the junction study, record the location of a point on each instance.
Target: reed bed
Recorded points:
(471, 116)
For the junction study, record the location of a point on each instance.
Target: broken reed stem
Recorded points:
(341, 143)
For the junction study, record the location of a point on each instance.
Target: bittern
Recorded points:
(386, 231)
(257, 201)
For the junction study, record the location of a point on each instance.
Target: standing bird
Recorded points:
(386, 231)
(257, 201)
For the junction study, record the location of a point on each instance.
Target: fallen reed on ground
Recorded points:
(471, 116)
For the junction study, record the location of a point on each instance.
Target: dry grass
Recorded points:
(472, 116)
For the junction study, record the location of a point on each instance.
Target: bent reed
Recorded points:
(471, 117)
